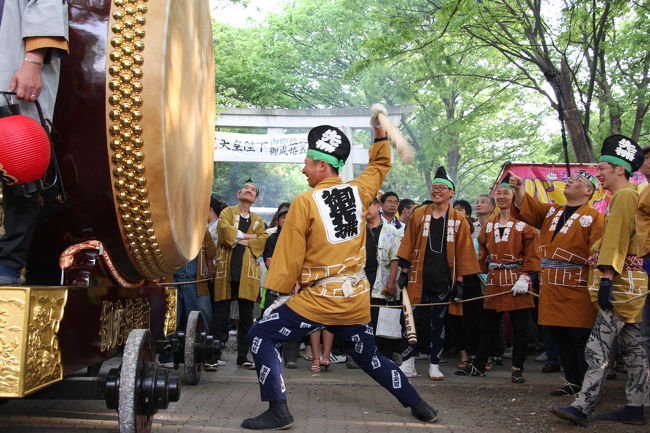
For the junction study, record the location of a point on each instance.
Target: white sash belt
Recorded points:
(349, 281)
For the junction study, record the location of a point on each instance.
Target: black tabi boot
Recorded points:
(627, 415)
(422, 411)
(570, 413)
(277, 417)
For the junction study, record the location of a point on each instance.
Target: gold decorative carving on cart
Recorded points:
(125, 127)
(119, 318)
(30, 357)
(12, 324)
(43, 354)
(170, 312)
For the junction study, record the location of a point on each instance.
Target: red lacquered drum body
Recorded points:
(135, 116)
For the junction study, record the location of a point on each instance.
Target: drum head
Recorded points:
(160, 128)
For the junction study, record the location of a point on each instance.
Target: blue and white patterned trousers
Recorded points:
(605, 331)
(284, 325)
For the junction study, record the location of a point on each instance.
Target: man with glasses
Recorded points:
(389, 203)
(567, 233)
(435, 254)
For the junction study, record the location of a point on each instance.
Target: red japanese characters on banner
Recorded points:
(546, 181)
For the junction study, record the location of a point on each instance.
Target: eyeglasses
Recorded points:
(391, 202)
(581, 180)
(440, 188)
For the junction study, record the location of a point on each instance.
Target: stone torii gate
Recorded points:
(277, 120)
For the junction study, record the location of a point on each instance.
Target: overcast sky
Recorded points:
(241, 16)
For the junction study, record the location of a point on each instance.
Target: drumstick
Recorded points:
(409, 323)
(401, 145)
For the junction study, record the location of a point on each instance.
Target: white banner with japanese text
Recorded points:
(279, 148)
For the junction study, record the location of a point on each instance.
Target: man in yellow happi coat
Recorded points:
(567, 233)
(616, 278)
(242, 237)
(322, 248)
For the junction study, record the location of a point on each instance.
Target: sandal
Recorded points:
(324, 364)
(462, 365)
(314, 368)
(489, 365)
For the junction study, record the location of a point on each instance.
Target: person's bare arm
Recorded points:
(26, 82)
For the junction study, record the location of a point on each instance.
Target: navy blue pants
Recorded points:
(437, 326)
(284, 325)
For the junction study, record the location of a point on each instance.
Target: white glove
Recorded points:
(521, 286)
(276, 304)
(374, 114)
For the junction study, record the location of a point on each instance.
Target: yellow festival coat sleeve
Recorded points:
(643, 222)
(289, 253)
(208, 252)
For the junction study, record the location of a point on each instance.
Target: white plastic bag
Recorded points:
(388, 324)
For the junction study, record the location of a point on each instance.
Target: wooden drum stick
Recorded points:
(409, 321)
(404, 150)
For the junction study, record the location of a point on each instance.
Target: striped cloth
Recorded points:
(513, 265)
(559, 264)
(632, 263)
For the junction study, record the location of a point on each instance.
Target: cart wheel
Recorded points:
(138, 351)
(195, 337)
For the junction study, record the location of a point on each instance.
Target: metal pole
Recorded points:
(348, 169)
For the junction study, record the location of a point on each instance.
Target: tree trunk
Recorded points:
(582, 147)
(428, 179)
(453, 158)
(612, 106)
(639, 115)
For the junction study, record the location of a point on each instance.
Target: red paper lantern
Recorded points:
(24, 150)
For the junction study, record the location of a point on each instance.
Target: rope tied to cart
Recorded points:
(432, 304)
(67, 258)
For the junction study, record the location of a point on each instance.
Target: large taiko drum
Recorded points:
(135, 116)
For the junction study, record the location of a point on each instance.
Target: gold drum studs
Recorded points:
(125, 127)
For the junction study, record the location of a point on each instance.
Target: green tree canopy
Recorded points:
(478, 74)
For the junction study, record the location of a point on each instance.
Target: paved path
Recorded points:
(338, 401)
